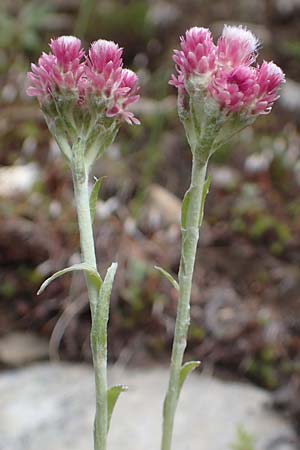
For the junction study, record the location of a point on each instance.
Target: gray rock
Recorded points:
(51, 406)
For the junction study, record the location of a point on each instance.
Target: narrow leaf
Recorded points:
(83, 266)
(185, 370)
(168, 276)
(204, 194)
(94, 197)
(112, 396)
(102, 308)
(184, 209)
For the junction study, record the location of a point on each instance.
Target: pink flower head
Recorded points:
(41, 82)
(58, 71)
(234, 90)
(68, 52)
(236, 46)
(126, 94)
(93, 81)
(105, 55)
(269, 79)
(109, 82)
(226, 72)
(197, 57)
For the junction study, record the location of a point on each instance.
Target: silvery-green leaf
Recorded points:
(94, 197)
(184, 208)
(102, 308)
(168, 276)
(185, 370)
(83, 266)
(112, 396)
(204, 194)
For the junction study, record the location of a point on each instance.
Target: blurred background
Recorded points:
(246, 293)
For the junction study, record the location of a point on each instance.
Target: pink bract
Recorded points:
(94, 79)
(236, 46)
(269, 78)
(197, 56)
(234, 90)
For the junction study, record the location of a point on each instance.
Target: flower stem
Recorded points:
(190, 236)
(99, 336)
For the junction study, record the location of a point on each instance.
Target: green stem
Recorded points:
(190, 236)
(99, 336)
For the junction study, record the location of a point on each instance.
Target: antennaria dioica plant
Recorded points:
(85, 99)
(220, 92)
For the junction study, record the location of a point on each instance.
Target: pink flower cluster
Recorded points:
(97, 79)
(225, 71)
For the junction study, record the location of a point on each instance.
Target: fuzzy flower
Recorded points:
(84, 97)
(57, 72)
(197, 57)
(269, 78)
(108, 83)
(125, 95)
(96, 83)
(236, 46)
(226, 72)
(234, 90)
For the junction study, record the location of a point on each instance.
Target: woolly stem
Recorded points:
(190, 236)
(99, 336)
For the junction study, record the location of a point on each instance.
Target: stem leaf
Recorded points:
(94, 197)
(184, 208)
(83, 266)
(112, 396)
(185, 370)
(204, 194)
(102, 308)
(168, 276)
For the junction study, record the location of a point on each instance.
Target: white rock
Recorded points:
(161, 207)
(52, 406)
(290, 96)
(224, 177)
(20, 348)
(16, 180)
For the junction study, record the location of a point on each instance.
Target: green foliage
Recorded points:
(94, 196)
(21, 32)
(264, 371)
(95, 277)
(112, 396)
(244, 440)
(133, 293)
(185, 370)
(168, 276)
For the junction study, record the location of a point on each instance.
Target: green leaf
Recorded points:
(102, 308)
(83, 266)
(185, 370)
(184, 208)
(112, 396)
(94, 196)
(168, 276)
(204, 194)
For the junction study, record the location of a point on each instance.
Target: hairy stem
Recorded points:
(190, 236)
(99, 336)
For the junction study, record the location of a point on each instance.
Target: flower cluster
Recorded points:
(225, 72)
(96, 82)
